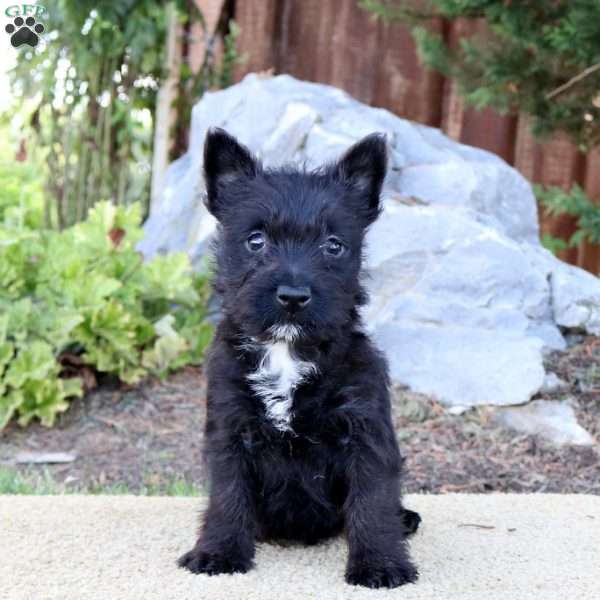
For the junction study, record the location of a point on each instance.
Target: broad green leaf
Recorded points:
(169, 277)
(166, 349)
(72, 387)
(7, 351)
(42, 399)
(164, 327)
(32, 363)
(57, 325)
(19, 319)
(3, 327)
(92, 290)
(9, 403)
(199, 337)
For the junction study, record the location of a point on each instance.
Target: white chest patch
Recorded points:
(278, 375)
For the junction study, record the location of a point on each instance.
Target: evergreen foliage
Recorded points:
(541, 57)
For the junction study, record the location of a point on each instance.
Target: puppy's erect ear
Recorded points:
(362, 168)
(225, 161)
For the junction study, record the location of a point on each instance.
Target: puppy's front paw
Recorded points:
(372, 575)
(214, 563)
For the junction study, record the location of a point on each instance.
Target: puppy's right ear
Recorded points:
(225, 161)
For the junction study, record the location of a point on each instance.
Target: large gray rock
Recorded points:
(464, 298)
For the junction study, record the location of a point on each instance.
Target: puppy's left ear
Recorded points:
(225, 161)
(362, 169)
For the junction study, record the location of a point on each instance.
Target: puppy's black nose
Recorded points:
(293, 298)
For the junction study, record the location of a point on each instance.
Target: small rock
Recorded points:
(573, 339)
(576, 296)
(553, 383)
(551, 419)
(48, 458)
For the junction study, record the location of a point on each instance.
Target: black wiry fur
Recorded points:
(338, 467)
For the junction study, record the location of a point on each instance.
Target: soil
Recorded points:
(151, 435)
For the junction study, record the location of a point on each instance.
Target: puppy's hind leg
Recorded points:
(410, 520)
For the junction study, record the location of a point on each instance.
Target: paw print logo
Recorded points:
(24, 31)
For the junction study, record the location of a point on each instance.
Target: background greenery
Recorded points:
(77, 301)
(530, 49)
(87, 99)
(42, 483)
(82, 301)
(537, 57)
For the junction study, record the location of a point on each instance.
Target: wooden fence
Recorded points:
(337, 42)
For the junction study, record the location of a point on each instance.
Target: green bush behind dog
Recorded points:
(87, 292)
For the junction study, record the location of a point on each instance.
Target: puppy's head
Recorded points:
(289, 246)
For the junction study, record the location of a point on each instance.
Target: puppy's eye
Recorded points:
(333, 246)
(256, 241)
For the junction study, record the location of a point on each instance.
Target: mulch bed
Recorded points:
(152, 434)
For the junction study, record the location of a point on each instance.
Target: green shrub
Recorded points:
(21, 192)
(575, 203)
(88, 96)
(86, 292)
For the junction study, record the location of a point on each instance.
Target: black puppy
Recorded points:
(299, 439)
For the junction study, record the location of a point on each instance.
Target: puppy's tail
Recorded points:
(410, 520)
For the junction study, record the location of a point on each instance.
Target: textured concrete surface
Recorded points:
(516, 547)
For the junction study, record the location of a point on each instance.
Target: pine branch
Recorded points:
(565, 86)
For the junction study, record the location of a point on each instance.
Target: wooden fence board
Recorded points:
(258, 35)
(561, 165)
(589, 254)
